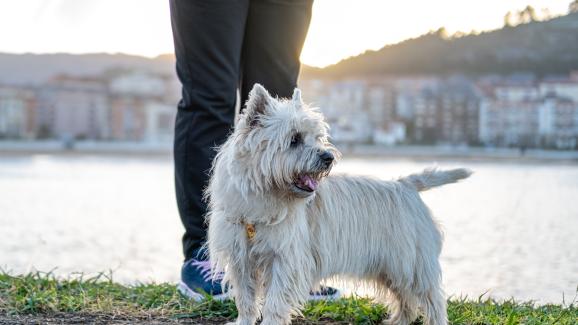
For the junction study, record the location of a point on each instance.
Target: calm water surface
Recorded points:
(511, 230)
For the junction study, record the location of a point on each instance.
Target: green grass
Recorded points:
(38, 294)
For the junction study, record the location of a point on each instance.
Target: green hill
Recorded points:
(548, 47)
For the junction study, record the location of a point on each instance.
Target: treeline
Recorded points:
(539, 47)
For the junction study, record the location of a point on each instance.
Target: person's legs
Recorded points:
(274, 35)
(208, 37)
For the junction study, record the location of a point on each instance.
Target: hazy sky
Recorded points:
(340, 28)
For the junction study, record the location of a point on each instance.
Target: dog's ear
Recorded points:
(297, 97)
(257, 103)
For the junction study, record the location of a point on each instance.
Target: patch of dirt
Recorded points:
(112, 319)
(96, 318)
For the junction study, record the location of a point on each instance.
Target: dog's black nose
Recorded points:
(327, 157)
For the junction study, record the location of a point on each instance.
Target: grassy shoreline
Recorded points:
(43, 298)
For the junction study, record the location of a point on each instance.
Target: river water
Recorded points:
(510, 231)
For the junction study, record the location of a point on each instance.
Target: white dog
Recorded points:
(278, 224)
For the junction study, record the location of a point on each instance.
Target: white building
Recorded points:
(74, 107)
(544, 114)
(562, 88)
(345, 111)
(558, 125)
(506, 123)
(139, 84)
(517, 92)
(16, 114)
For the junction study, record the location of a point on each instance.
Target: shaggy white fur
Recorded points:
(272, 174)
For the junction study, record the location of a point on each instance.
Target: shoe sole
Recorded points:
(334, 296)
(193, 295)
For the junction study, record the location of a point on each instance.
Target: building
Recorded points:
(440, 110)
(138, 83)
(515, 111)
(509, 114)
(425, 117)
(344, 106)
(509, 124)
(560, 87)
(358, 111)
(73, 108)
(530, 114)
(139, 109)
(17, 114)
(558, 123)
(128, 118)
(381, 102)
(458, 113)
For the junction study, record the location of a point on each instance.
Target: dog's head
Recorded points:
(282, 144)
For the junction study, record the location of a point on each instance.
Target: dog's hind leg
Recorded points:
(427, 287)
(404, 308)
(434, 307)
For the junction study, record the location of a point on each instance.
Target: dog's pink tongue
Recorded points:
(310, 182)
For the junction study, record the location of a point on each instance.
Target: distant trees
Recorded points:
(546, 14)
(441, 33)
(508, 19)
(573, 7)
(527, 15)
(524, 16)
(542, 49)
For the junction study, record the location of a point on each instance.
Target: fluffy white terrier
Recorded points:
(279, 224)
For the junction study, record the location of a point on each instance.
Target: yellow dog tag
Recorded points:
(250, 230)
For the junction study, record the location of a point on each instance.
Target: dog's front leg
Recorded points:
(286, 289)
(244, 280)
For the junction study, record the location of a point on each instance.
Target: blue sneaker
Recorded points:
(198, 281)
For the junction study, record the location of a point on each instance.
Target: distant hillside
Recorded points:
(548, 47)
(36, 68)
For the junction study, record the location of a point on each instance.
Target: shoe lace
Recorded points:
(206, 270)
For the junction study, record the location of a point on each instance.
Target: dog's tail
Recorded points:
(432, 177)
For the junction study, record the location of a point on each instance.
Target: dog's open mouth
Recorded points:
(306, 183)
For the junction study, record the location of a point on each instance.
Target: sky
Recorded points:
(339, 28)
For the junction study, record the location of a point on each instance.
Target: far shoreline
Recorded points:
(349, 151)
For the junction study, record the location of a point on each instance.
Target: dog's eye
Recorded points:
(296, 139)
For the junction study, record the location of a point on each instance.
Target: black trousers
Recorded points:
(222, 46)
